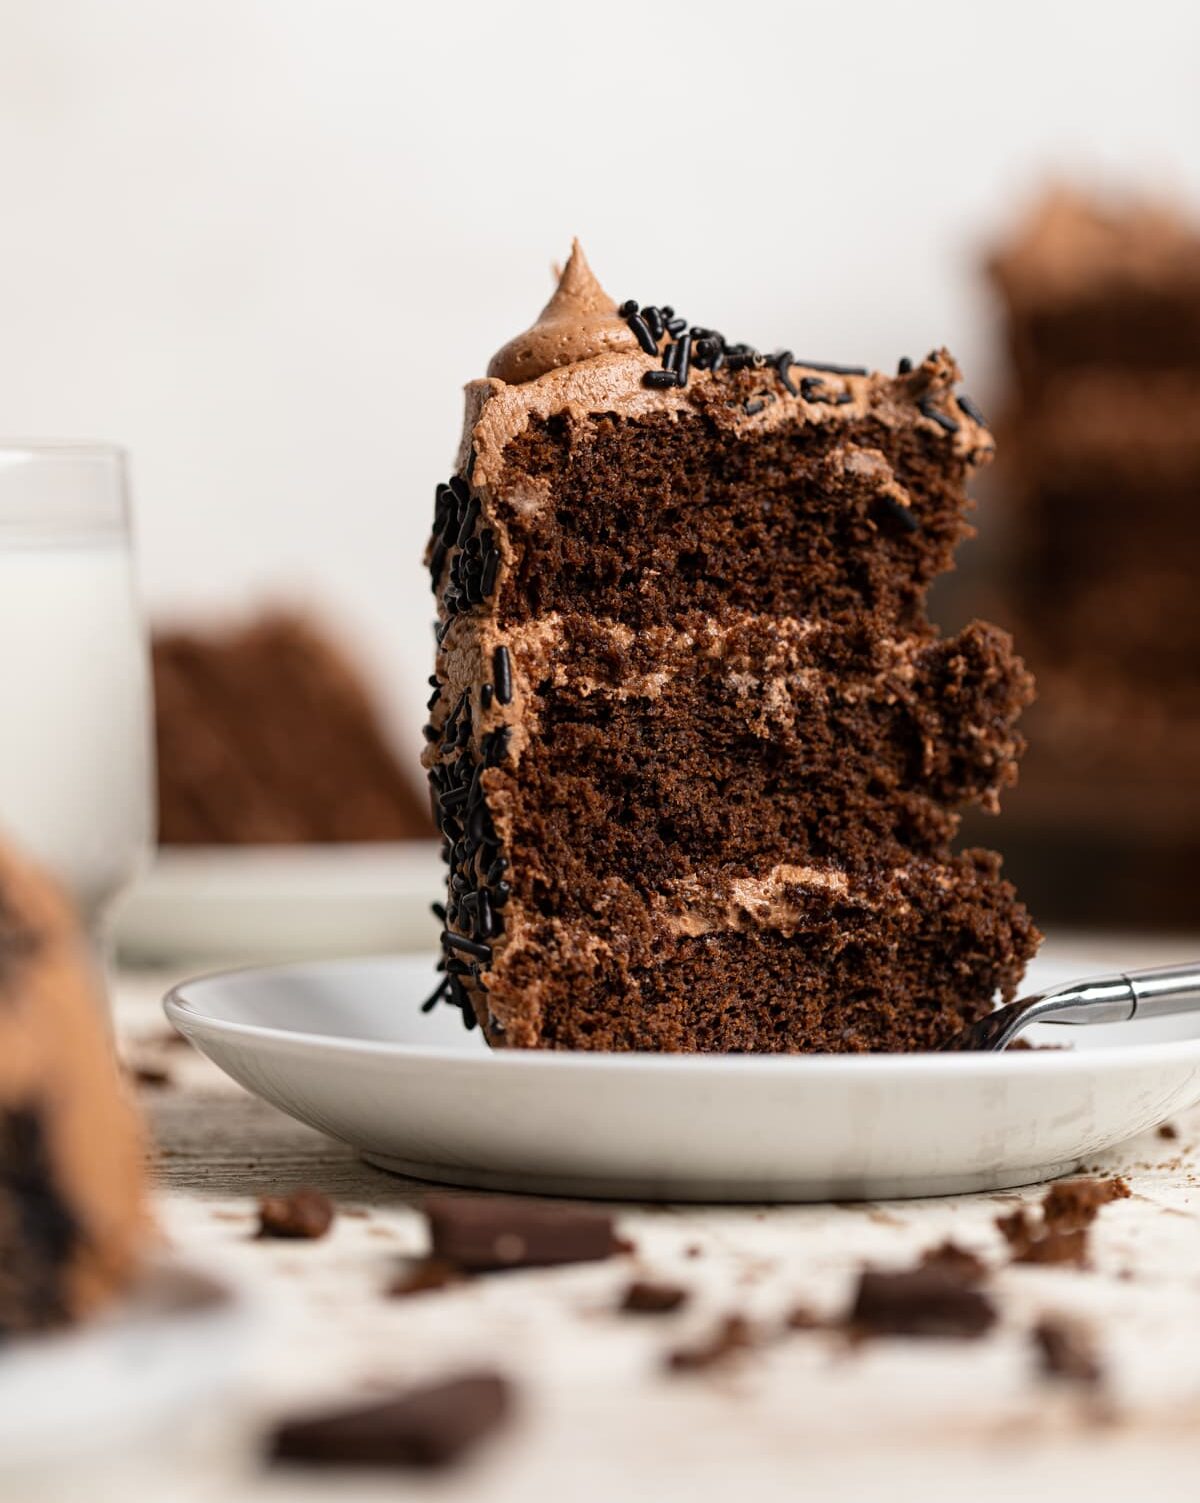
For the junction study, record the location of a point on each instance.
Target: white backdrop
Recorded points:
(263, 242)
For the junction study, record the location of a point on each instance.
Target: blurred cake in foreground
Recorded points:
(1101, 477)
(72, 1215)
(267, 735)
(697, 753)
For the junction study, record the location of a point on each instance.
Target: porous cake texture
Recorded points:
(696, 753)
(72, 1215)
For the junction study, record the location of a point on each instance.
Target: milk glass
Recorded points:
(76, 735)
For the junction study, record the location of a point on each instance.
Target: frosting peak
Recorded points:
(578, 322)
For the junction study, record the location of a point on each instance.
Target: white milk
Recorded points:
(75, 735)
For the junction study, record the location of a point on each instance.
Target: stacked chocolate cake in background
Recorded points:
(1100, 479)
(697, 754)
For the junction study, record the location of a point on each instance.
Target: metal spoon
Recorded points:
(1155, 993)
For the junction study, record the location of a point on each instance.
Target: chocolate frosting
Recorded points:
(578, 322)
(1071, 246)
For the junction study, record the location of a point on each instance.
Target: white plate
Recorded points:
(344, 1047)
(282, 902)
(126, 1382)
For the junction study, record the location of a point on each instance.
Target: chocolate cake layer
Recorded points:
(805, 960)
(760, 740)
(697, 754)
(822, 511)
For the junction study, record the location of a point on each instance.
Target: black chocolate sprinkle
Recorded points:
(467, 946)
(642, 333)
(502, 673)
(435, 997)
(971, 409)
(942, 419)
(900, 513)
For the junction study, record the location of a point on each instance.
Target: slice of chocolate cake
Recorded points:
(697, 753)
(72, 1218)
(268, 735)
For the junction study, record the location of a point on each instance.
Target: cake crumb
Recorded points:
(1060, 1234)
(151, 1077)
(1168, 1132)
(1075, 1203)
(951, 1258)
(305, 1214)
(1066, 1351)
(424, 1277)
(801, 1318)
(648, 1297)
(732, 1337)
(1031, 1242)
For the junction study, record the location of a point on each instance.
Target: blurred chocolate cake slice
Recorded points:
(1101, 485)
(697, 754)
(267, 735)
(72, 1215)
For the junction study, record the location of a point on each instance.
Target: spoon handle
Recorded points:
(1157, 992)
(1164, 990)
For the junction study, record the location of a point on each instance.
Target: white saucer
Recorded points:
(281, 902)
(343, 1046)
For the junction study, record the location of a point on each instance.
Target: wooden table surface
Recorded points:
(807, 1416)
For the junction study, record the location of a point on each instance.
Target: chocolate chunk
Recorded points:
(484, 1233)
(1066, 1351)
(801, 1318)
(428, 1427)
(153, 1077)
(303, 1214)
(919, 1302)
(645, 1297)
(732, 1336)
(425, 1276)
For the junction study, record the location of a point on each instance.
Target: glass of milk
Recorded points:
(76, 734)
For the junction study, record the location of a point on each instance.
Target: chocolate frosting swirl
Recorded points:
(579, 322)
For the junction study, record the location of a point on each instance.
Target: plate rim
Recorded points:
(181, 1010)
